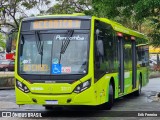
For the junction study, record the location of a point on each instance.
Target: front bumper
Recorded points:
(86, 97)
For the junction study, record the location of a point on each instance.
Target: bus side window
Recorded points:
(107, 62)
(99, 50)
(142, 53)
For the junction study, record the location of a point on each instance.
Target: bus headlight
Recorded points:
(22, 86)
(83, 86)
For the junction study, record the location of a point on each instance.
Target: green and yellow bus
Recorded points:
(73, 59)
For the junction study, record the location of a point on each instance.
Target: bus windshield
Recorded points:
(53, 53)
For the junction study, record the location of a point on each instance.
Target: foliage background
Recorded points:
(140, 15)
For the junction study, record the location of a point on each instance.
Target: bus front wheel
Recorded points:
(108, 105)
(48, 107)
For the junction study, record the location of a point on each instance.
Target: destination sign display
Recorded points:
(35, 67)
(55, 24)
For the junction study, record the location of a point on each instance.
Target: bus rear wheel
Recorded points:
(138, 92)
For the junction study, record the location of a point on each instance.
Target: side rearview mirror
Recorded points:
(100, 47)
(9, 40)
(9, 44)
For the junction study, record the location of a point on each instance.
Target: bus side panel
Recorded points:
(102, 87)
(145, 78)
(128, 82)
(144, 72)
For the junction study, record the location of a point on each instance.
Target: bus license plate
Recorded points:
(51, 102)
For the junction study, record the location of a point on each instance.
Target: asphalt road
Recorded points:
(125, 106)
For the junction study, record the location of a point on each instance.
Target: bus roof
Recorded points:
(120, 28)
(73, 16)
(116, 26)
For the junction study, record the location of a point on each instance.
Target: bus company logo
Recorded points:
(50, 88)
(58, 37)
(6, 114)
(37, 88)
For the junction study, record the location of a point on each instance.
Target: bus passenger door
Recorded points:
(128, 64)
(121, 64)
(134, 64)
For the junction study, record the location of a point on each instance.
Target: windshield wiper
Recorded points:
(39, 45)
(65, 43)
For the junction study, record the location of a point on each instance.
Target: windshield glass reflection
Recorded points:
(53, 61)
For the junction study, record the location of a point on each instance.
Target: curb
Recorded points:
(6, 88)
(7, 82)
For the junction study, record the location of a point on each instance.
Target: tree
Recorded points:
(155, 34)
(133, 14)
(149, 10)
(12, 11)
(71, 6)
(2, 41)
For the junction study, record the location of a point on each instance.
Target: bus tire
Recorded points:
(111, 97)
(138, 92)
(108, 105)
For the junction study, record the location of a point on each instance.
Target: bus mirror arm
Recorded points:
(9, 40)
(9, 44)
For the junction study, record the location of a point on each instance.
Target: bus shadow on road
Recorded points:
(91, 111)
(130, 96)
(82, 112)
